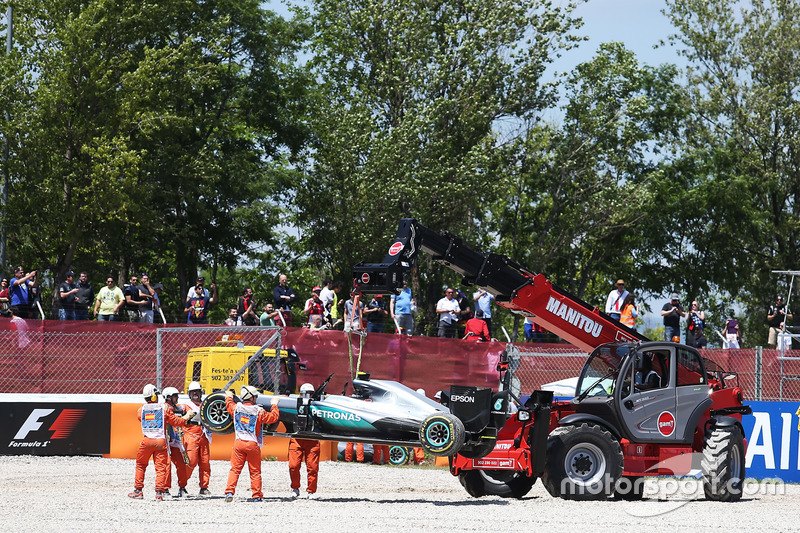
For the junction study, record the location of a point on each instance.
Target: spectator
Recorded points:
(400, 307)
(732, 334)
(483, 302)
(146, 293)
(197, 307)
(84, 297)
(269, 315)
(615, 300)
(233, 317)
(284, 298)
(327, 296)
(201, 280)
(695, 323)
(314, 309)
(776, 318)
(66, 295)
(476, 329)
(246, 309)
(672, 313)
(375, 312)
(448, 310)
(337, 306)
(159, 291)
(533, 331)
(464, 313)
(19, 288)
(108, 302)
(629, 312)
(133, 300)
(4, 298)
(353, 321)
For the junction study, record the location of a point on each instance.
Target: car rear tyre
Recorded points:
(723, 464)
(442, 434)
(503, 483)
(583, 463)
(214, 415)
(398, 455)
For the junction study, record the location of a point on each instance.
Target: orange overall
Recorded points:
(300, 449)
(377, 451)
(154, 419)
(247, 421)
(419, 455)
(197, 442)
(175, 454)
(348, 452)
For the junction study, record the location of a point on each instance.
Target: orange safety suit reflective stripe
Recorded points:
(157, 449)
(248, 450)
(348, 452)
(308, 450)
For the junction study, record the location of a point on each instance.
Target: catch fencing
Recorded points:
(119, 358)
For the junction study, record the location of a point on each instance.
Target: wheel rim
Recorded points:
(585, 464)
(397, 455)
(216, 412)
(437, 434)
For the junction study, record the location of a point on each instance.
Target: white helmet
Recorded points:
(421, 391)
(306, 387)
(248, 392)
(194, 386)
(149, 392)
(169, 391)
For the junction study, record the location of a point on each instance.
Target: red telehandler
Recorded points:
(641, 408)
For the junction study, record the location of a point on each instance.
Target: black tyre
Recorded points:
(442, 434)
(503, 483)
(723, 464)
(629, 488)
(478, 450)
(583, 463)
(214, 415)
(398, 455)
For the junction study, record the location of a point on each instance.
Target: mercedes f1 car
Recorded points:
(382, 412)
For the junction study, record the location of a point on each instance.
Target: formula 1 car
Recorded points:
(382, 412)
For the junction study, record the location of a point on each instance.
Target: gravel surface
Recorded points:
(66, 494)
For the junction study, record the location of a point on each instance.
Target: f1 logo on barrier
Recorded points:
(55, 428)
(62, 426)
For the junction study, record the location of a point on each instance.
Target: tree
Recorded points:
(148, 135)
(405, 118)
(742, 143)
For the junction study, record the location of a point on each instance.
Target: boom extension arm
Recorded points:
(512, 286)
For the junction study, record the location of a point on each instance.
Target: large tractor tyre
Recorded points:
(503, 483)
(723, 464)
(476, 451)
(399, 455)
(583, 463)
(629, 488)
(442, 434)
(214, 415)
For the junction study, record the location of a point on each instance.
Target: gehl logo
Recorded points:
(61, 428)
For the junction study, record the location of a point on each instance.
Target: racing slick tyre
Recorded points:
(214, 415)
(442, 434)
(503, 483)
(398, 455)
(723, 464)
(583, 463)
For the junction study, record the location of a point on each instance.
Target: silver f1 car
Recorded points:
(383, 412)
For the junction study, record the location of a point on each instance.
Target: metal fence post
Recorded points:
(159, 360)
(759, 372)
